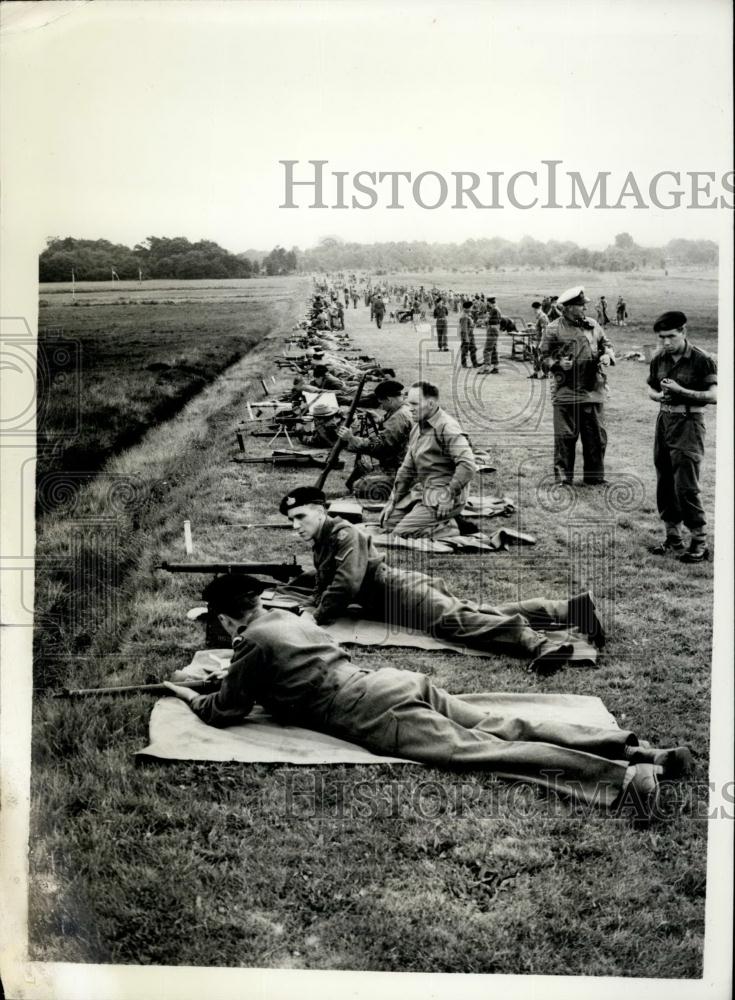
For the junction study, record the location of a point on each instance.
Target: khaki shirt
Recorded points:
(389, 444)
(284, 663)
(583, 383)
(439, 457)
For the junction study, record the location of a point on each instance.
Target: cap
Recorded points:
(573, 297)
(535, 305)
(491, 298)
(674, 320)
(323, 409)
(300, 496)
(388, 388)
(231, 586)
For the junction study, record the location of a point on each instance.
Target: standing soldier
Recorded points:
(602, 317)
(574, 350)
(621, 311)
(441, 314)
(490, 353)
(378, 309)
(541, 322)
(467, 336)
(683, 379)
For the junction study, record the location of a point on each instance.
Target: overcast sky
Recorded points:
(126, 119)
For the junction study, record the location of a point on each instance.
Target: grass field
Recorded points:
(118, 361)
(193, 864)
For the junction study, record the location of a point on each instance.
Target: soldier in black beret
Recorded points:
(300, 496)
(683, 380)
(387, 446)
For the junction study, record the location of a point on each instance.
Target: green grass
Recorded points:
(219, 865)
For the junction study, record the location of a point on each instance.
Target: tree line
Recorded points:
(177, 257)
(496, 253)
(155, 257)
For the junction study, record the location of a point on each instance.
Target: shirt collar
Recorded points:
(433, 420)
(325, 529)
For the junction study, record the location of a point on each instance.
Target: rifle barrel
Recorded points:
(278, 571)
(339, 444)
(134, 689)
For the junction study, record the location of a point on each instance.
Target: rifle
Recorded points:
(279, 571)
(287, 460)
(157, 689)
(338, 445)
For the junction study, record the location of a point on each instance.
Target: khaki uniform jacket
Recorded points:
(583, 383)
(439, 458)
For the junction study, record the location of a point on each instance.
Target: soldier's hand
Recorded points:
(344, 433)
(183, 693)
(386, 513)
(670, 385)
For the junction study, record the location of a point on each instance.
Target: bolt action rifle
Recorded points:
(333, 457)
(201, 687)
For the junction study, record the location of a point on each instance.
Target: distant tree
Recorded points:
(624, 241)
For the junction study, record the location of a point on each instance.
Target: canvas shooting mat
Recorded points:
(175, 733)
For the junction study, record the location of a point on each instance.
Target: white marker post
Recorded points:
(188, 544)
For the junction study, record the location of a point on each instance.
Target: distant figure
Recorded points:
(490, 352)
(602, 317)
(554, 312)
(540, 323)
(467, 336)
(441, 314)
(378, 308)
(621, 311)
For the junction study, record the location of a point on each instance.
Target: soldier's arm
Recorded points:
(390, 438)
(352, 561)
(405, 477)
(235, 699)
(458, 446)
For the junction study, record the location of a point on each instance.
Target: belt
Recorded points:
(679, 408)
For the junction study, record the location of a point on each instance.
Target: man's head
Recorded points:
(306, 508)
(573, 303)
(320, 371)
(233, 598)
(423, 400)
(671, 328)
(324, 410)
(536, 305)
(389, 395)
(466, 305)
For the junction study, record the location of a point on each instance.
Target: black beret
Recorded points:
(232, 586)
(300, 496)
(491, 298)
(669, 321)
(535, 305)
(388, 388)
